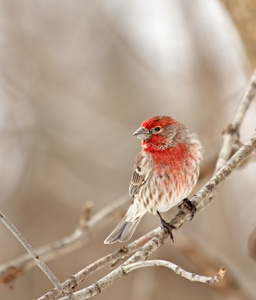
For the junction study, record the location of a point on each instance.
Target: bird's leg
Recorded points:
(189, 205)
(167, 226)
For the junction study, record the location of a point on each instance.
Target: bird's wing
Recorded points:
(141, 173)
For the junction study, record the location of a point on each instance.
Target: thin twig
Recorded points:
(32, 252)
(231, 134)
(178, 270)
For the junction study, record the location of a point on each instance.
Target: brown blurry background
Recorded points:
(77, 78)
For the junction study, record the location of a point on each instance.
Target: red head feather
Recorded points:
(161, 121)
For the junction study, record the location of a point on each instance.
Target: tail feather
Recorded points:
(123, 231)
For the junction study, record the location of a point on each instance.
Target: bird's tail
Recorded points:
(123, 231)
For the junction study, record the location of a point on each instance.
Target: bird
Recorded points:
(165, 172)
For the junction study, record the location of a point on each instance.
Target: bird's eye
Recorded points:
(157, 128)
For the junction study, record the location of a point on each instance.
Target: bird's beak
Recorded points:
(142, 133)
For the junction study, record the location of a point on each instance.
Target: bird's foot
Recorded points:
(167, 226)
(189, 205)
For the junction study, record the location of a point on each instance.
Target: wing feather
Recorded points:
(142, 171)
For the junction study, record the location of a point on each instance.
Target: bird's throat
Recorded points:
(168, 156)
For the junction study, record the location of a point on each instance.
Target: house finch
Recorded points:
(165, 172)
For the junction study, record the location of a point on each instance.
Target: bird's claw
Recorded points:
(167, 226)
(189, 205)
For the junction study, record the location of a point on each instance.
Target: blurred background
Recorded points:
(77, 78)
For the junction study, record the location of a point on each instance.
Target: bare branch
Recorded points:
(77, 239)
(231, 134)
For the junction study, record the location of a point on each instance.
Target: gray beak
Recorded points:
(142, 133)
